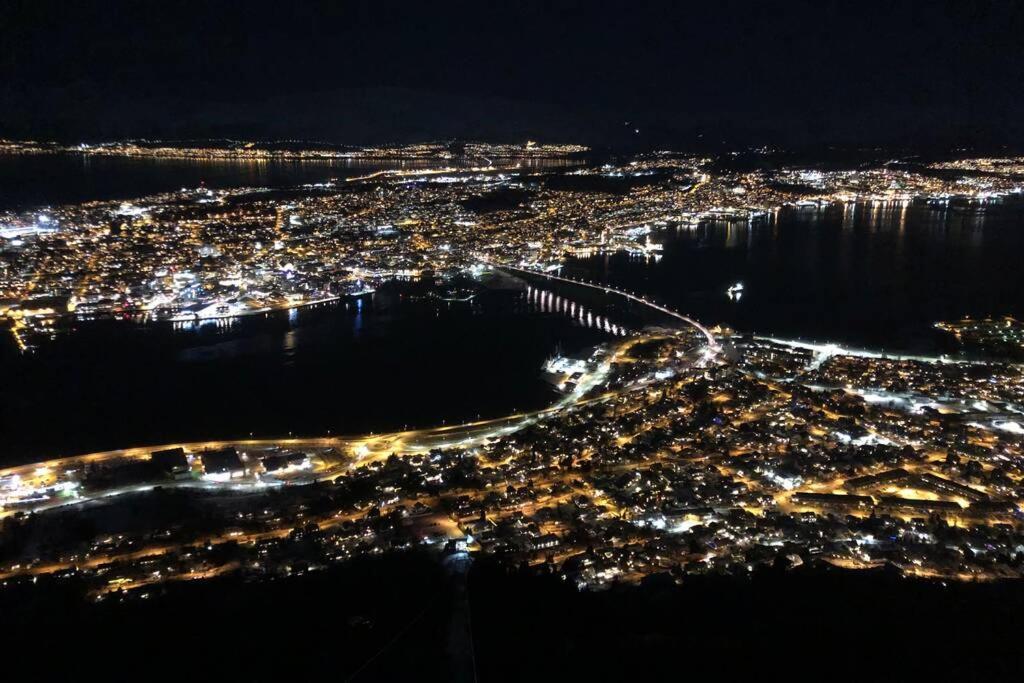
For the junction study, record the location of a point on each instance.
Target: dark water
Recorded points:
(382, 364)
(390, 363)
(28, 181)
(871, 275)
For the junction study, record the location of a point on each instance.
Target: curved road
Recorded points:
(351, 451)
(374, 446)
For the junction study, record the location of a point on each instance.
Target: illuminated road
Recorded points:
(36, 481)
(416, 172)
(824, 351)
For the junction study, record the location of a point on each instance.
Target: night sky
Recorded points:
(684, 74)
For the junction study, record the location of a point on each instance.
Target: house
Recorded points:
(172, 462)
(223, 463)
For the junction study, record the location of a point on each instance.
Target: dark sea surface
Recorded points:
(378, 363)
(389, 361)
(35, 180)
(872, 275)
(869, 274)
(38, 180)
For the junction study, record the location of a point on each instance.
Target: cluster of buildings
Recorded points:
(991, 336)
(199, 254)
(990, 382)
(242, 150)
(668, 455)
(673, 464)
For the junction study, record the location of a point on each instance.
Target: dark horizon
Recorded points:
(607, 74)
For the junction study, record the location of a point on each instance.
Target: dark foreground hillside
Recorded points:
(801, 624)
(398, 618)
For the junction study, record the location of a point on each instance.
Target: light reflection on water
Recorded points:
(549, 302)
(370, 364)
(874, 274)
(76, 178)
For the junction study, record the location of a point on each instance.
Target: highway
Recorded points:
(406, 441)
(36, 487)
(35, 481)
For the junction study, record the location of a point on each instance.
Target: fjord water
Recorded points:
(29, 181)
(380, 363)
(875, 275)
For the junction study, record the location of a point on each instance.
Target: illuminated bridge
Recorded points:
(713, 345)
